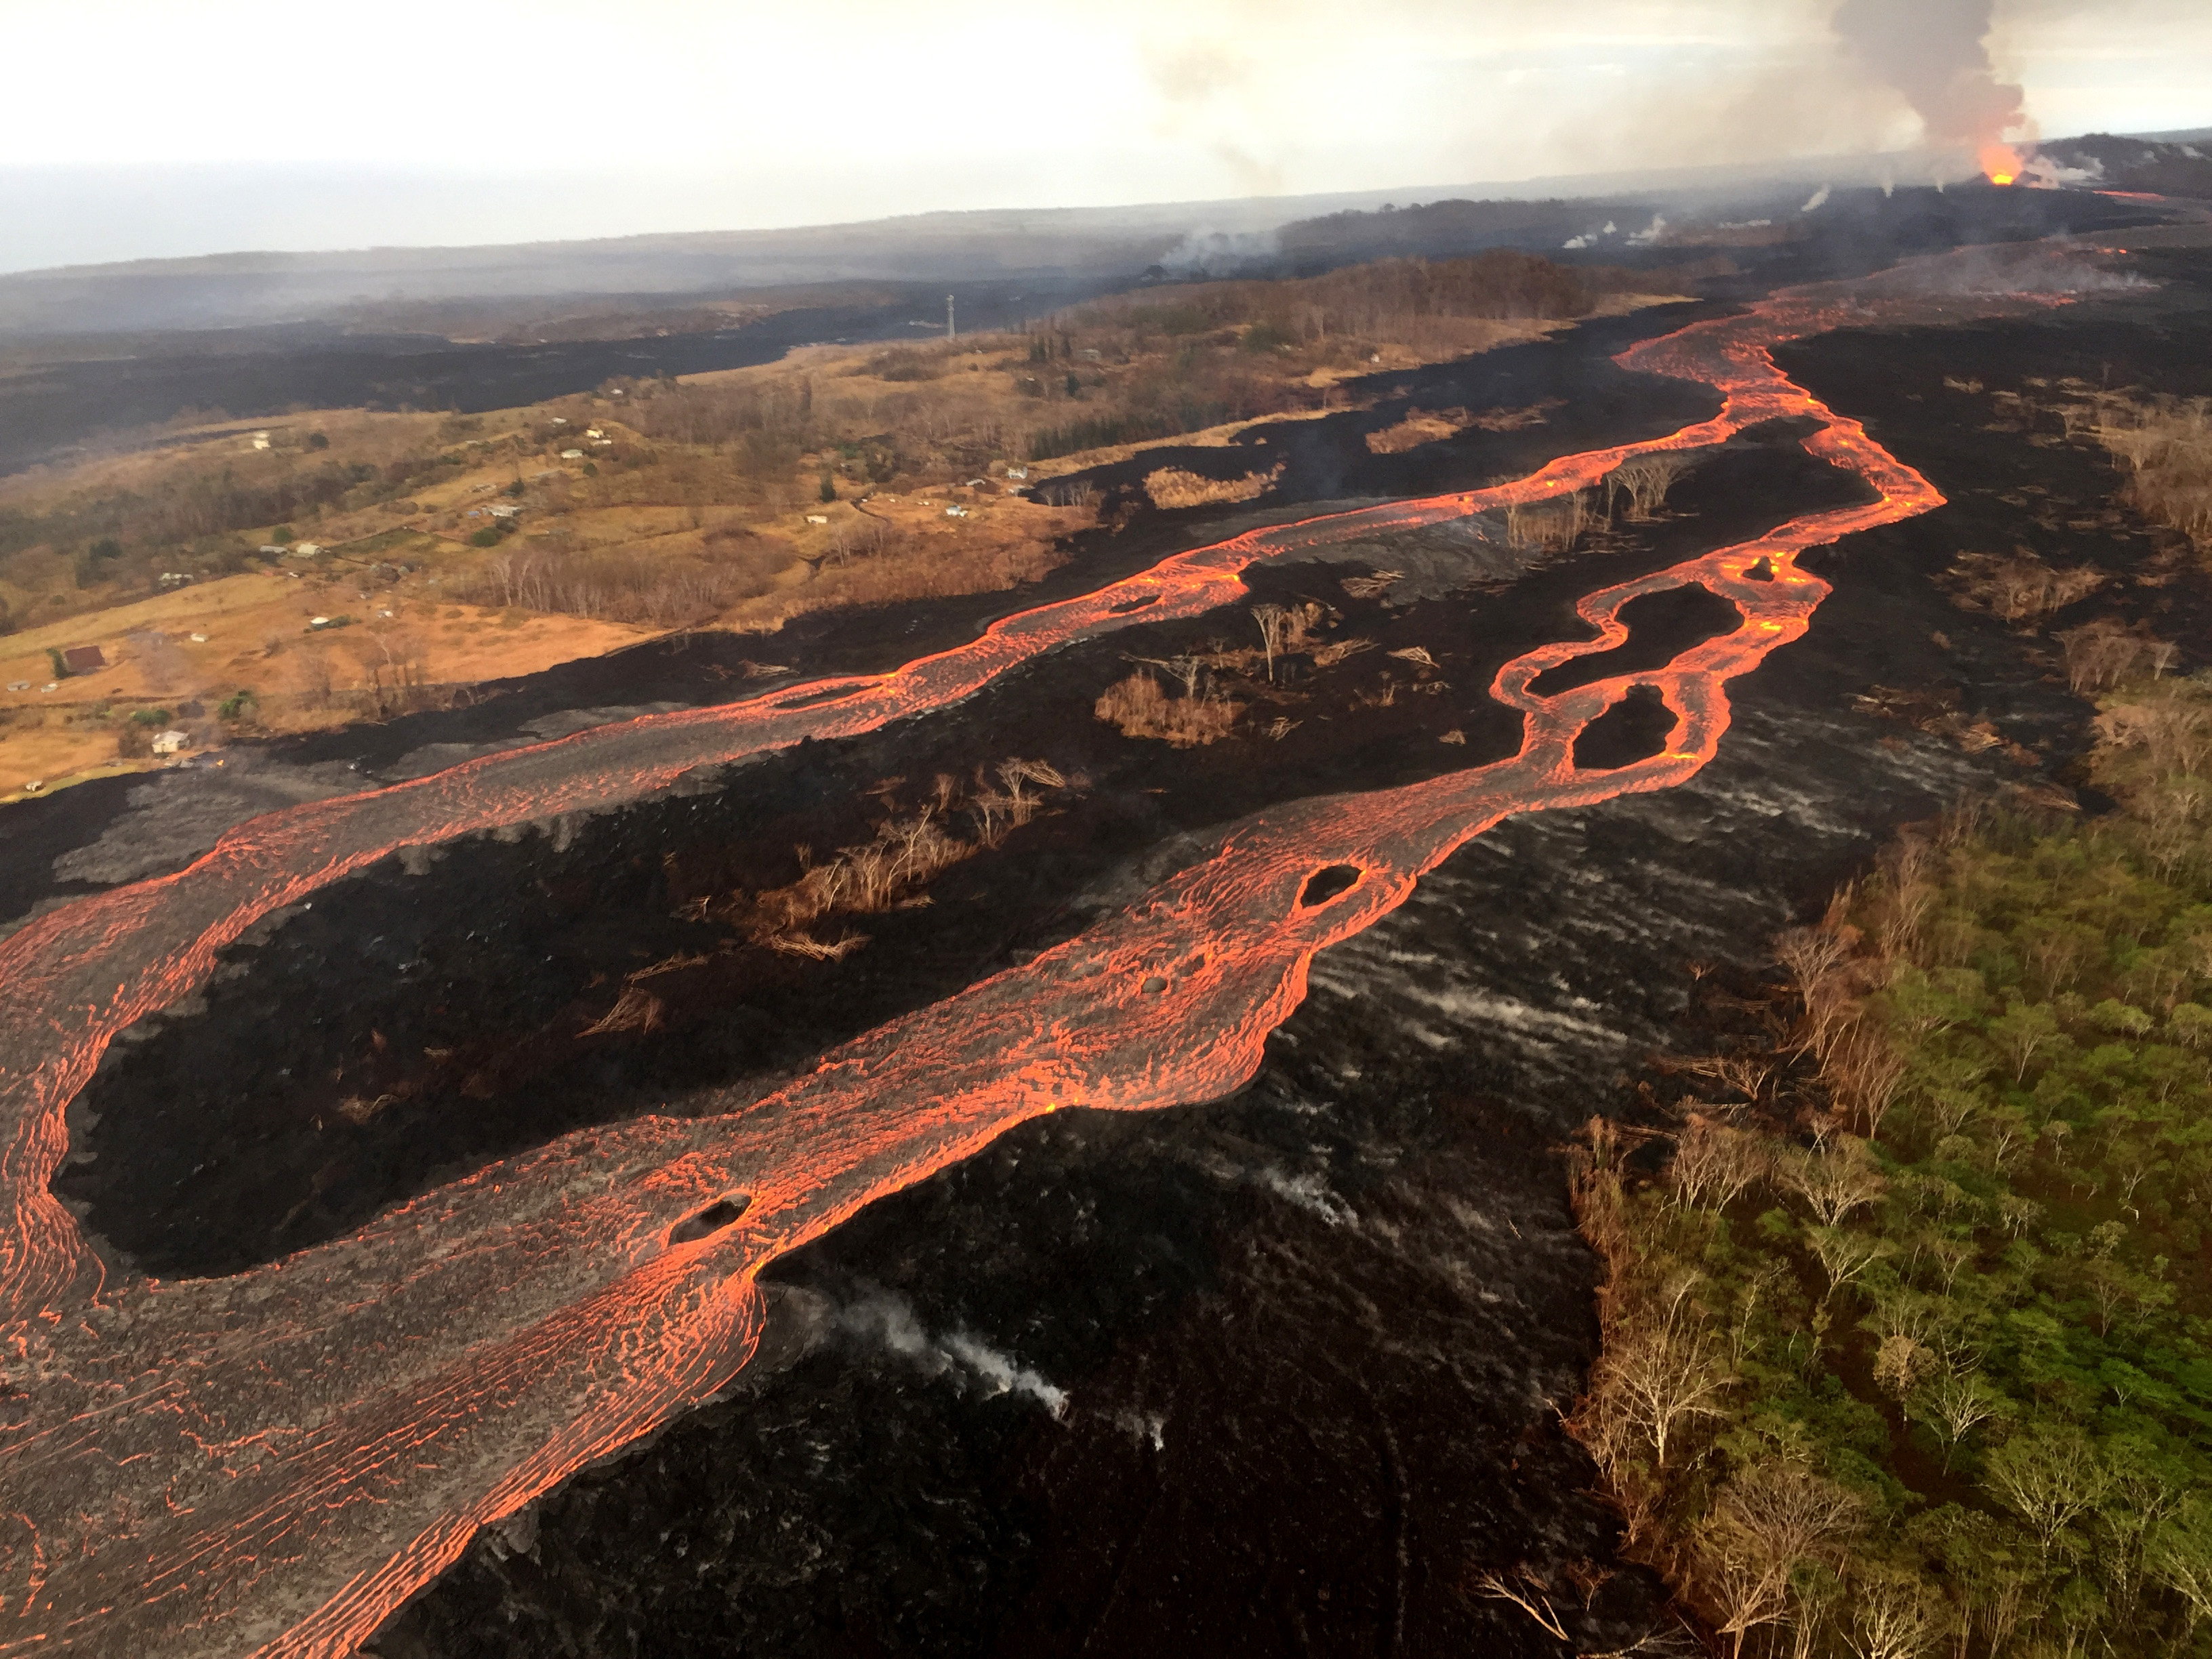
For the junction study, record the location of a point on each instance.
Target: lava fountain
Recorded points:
(272, 1462)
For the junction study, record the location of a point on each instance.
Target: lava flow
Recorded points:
(274, 1462)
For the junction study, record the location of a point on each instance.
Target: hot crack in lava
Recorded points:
(273, 1463)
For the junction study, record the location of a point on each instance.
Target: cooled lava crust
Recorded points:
(1283, 1367)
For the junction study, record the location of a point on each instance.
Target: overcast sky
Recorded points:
(145, 127)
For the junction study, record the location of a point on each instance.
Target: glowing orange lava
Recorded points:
(2000, 162)
(272, 1462)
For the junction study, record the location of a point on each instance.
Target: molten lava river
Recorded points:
(272, 1463)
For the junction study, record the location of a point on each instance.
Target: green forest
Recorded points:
(1907, 1335)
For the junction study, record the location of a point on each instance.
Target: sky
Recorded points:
(143, 128)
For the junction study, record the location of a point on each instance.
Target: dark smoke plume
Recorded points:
(1931, 50)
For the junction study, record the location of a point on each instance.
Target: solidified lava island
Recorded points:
(273, 1461)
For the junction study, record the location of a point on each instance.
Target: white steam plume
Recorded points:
(888, 1320)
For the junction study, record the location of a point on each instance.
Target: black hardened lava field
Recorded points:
(1278, 1367)
(1284, 1372)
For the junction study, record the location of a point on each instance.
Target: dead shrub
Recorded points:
(1715, 1162)
(2021, 588)
(1552, 526)
(628, 587)
(1644, 481)
(636, 1009)
(2173, 731)
(2166, 446)
(1328, 656)
(1071, 492)
(1516, 419)
(2102, 654)
(886, 873)
(1372, 587)
(1420, 426)
(1138, 707)
(1172, 487)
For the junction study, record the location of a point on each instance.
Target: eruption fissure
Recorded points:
(272, 1462)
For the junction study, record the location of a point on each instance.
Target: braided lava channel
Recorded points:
(272, 1462)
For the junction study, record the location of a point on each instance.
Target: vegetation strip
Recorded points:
(1908, 1345)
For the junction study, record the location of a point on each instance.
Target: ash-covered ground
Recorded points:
(1273, 1374)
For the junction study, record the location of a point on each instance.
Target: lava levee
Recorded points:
(272, 1462)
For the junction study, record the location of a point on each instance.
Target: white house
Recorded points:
(572, 454)
(168, 743)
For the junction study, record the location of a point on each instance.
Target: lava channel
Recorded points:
(272, 1462)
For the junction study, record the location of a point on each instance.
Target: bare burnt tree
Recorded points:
(1273, 620)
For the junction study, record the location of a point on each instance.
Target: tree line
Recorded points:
(1907, 1328)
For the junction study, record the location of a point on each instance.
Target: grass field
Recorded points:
(200, 646)
(443, 551)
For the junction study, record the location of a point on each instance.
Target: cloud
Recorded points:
(701, 116)
(1199, 83)
(1194, 72)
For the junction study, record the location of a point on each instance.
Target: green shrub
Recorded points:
(1934, 1268)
